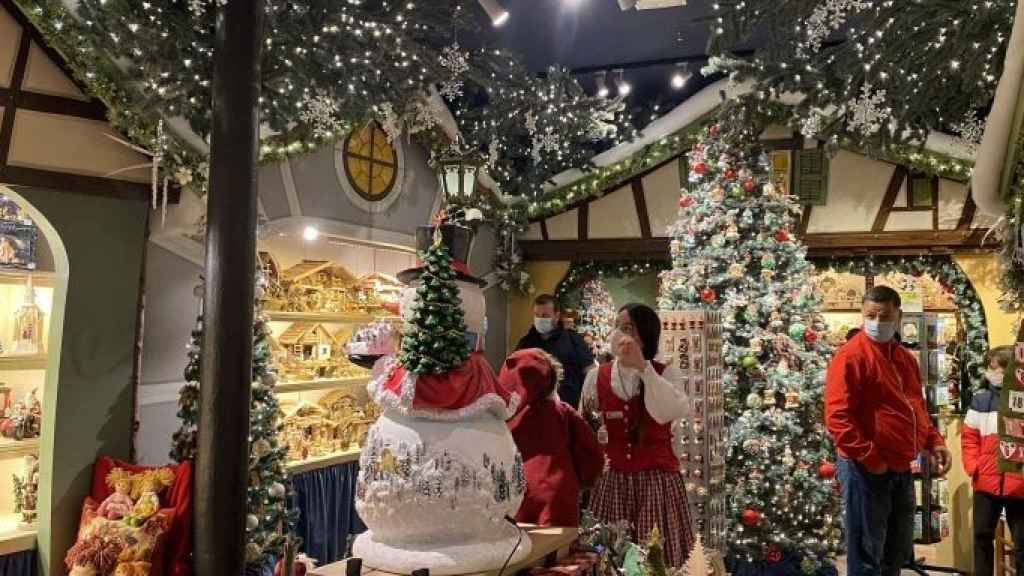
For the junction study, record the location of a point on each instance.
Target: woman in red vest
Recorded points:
(635, 401)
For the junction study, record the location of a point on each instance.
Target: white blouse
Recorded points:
(663, 394)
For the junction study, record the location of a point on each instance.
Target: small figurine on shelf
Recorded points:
(26, 491)
(119, 504)
(28, 324)
(149, 485)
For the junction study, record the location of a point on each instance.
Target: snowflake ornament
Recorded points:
(827, 18)
(969, 132)
(320, 112)
(546, 141)
(868, 112)
(811, 124)
(423, 118)
(493, 154)
(456, 62)
(390, 122)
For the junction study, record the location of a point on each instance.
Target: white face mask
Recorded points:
(994, 377)
(879, 331)
(544, 325)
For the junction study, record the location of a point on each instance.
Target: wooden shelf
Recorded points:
(10, 448)
(25, 362)
(39, 279)
(325, 384)
(14, 537)
(319, 462)
(328, 317)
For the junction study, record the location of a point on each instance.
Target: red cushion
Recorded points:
(175, 556)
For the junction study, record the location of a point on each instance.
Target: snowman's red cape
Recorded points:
(460, 393)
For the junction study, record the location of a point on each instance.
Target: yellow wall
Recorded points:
(983, 270)
(545, 277)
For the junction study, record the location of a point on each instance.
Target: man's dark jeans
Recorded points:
(879, 519)
(987, 510)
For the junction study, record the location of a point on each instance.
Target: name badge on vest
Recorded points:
(613, 415)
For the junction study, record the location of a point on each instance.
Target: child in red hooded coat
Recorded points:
(560, 452)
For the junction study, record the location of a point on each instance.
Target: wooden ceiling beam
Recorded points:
(818, 245)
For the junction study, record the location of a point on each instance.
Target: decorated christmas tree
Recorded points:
(597, 315)
(435, 341)
(270, 518)
(733, 251)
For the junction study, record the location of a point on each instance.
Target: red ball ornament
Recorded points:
(700, 168)
(708, 295)
(730, 174)
(686, 201)
(748, 185)
(772, 554)
(781, 235)
(750, 517)
(810, 336)
(713, 130)
(827, 471)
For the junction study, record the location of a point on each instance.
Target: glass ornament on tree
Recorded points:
(753, 270)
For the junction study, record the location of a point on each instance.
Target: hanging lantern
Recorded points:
(458, 169)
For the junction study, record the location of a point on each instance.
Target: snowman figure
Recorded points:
(440, 471)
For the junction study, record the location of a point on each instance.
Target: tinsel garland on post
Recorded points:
(270, 518)
(952, 278)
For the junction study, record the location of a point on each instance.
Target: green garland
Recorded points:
(953, 279)
(570, 288)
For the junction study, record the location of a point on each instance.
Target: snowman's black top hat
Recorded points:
(458, 239)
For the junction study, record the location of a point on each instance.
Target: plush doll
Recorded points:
(148, 486)
(119, 504)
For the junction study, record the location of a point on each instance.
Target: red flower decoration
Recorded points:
(708, 295)
(730, 174)
(772, 554)
(685, 201)
(748, 185)
(700, 168)
(781, 235)
(713, 130)
(750, 517)
(827, 471)
(810, 336)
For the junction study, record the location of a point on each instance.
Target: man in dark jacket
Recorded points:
(877, 416)
(568, 347)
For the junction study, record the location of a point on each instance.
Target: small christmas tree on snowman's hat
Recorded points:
(435, 339)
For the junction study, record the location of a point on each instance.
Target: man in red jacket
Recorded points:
(879, 422)
(994, 491)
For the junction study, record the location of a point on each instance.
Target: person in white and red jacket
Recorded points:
(994, 491)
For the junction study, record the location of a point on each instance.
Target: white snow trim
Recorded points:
(402, 403)
(704, 102)
(986, 424)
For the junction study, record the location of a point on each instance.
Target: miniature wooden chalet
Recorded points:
(307, 341)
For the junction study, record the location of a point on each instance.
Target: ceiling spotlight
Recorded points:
(601, 83)
(498, 14)
(623, 87)
(681, 76)
(310, 233)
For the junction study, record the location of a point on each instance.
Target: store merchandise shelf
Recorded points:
(329, 317)
(14, 537)
(10, 448)
(324, 384)
(26, 362)
(45, 279)
(319, 462)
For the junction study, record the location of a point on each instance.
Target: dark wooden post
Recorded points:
(221, 462)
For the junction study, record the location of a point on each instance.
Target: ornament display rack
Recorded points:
(20, 373)
(692, 343)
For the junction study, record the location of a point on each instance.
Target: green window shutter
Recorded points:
(921, 192)
(810, 176)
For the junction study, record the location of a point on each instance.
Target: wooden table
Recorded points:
(549, 545)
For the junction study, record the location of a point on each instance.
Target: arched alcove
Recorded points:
(98, 246)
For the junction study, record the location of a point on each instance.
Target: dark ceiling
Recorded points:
(589, 35)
